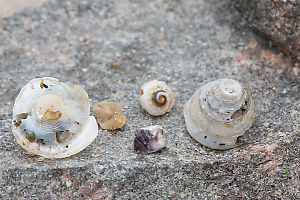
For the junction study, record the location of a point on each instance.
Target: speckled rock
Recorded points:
(276, 20)
(111, 48)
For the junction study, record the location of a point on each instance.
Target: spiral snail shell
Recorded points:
(218, 113)
(52, 119)
(156, 98)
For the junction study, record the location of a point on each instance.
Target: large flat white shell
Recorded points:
(86, 137)
(58, 116)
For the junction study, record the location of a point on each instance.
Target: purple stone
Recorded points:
(149, 139)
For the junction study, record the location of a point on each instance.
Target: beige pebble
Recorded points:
(109, 115)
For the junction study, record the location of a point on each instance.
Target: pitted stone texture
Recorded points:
(111, 48)
(276, 20)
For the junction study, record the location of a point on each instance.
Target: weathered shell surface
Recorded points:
(149, 139)
(52, 119)
(156, 98)
(109, 115)
(218, 113)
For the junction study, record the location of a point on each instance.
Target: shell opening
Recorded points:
(240, 112)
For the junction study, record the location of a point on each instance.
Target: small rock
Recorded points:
(149, 139)
(109, 115)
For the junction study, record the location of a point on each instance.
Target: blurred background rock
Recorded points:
(8, 7)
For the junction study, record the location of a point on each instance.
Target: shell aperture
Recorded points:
(218, 113)
(51, 118)
(157, 98)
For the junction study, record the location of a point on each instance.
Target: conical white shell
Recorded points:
(218, 113)
(52, 119)
(146, 98)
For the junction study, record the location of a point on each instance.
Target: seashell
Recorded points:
(52, 119)
(109, 115)
(218, 113)
(156, 98)
(149, 139)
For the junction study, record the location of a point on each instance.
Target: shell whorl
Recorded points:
(219, 112)
(156, 97)
(160, 97)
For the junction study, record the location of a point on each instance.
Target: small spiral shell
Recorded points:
(156, 98)
(218, 113)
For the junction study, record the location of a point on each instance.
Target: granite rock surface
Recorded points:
(111, 48)
(276, 20)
